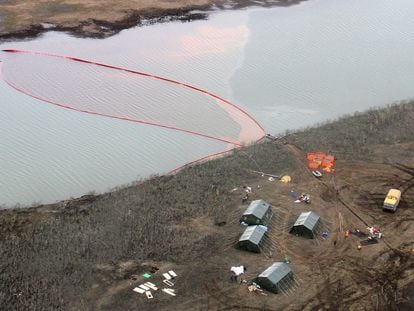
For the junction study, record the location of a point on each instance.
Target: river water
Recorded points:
(287, 67)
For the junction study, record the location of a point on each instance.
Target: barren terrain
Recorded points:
(100, 18)
(89, 253)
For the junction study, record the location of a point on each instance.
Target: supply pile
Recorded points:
(147, 287)
(317, 160)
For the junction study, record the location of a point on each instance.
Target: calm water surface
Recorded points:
(287, 67)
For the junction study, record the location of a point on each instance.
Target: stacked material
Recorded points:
(320, 159)
(148, 286)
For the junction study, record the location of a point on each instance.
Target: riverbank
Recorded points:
(99, 19)
(89, 253)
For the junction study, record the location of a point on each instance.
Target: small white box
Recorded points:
(149, 295)
(168, 291)
(150, 285)
(139, 290)
(169, 283)
(172, 273)
(167, 276)
(144, 287)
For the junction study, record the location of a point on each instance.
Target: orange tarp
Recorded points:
(326, 163)
(316, 159)
(313, 165)
(310, 156)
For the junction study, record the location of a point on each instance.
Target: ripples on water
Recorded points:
(52, 153)
(127, 95)
(325, 58)
(288, 67)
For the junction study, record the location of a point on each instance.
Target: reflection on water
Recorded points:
(287, 67)
(127, 95)
(326, 58)
(51, 153)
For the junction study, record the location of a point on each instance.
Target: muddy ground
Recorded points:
(89, 253)
(101, 18)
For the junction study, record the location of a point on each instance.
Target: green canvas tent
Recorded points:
(306, 225)
(276, 278)
(259, 212)
(252, 238)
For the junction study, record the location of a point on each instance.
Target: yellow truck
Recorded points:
(391, 200)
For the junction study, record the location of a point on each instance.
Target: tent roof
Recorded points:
(257, 208)
(253, 234)
(276, 272)
(307, 219)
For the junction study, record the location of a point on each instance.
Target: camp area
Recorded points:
(308, 224)
(193, 222)
(252, 238)
(258, 212)
(276, 278)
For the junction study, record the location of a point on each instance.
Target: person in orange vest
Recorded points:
(347, 233)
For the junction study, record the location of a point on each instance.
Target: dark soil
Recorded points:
(16, 23)
(89, 253)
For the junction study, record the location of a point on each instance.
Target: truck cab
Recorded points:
(391, 200)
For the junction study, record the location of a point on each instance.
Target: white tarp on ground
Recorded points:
(237, 270)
